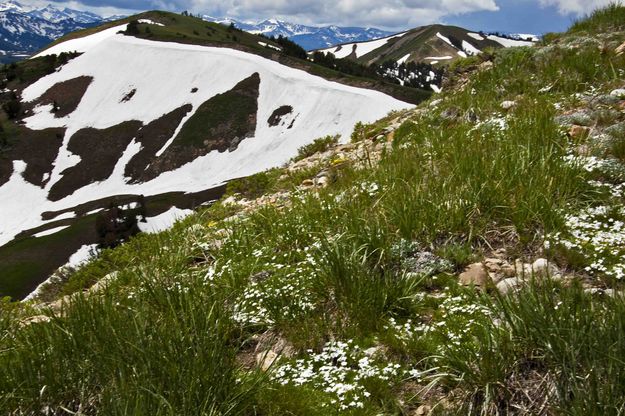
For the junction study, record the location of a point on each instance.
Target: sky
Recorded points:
(512, 16)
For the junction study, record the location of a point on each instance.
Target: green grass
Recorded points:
(27, 261)
(610, 18)
(176, 332)
(318, 146)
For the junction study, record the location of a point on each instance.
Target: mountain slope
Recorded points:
(133, 116)
(465, 257)
(309, 37)
(24, 31)
(430, 44)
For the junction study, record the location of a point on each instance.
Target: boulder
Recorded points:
(476, 275)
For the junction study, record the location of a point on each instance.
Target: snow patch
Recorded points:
(439, 58)
(83, 255)
(150, 22)
(82, 44)
(475, 36)
(51, 231)
(403, 59)
(164, 221)
(266, 45)
(470, 49)
(509, 43)
(114, 62)
(444, 39)
(362, 48)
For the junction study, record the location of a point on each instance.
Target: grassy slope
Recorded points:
(419, 44)
(171, 334)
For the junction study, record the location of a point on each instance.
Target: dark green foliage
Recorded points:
(345, 66)
(116, 225)
(253, 186)
(289, 47)
(133, 28)
(13, 107)
(413, 74)
(320, 145)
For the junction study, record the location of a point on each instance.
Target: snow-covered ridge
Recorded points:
(118, 63)
(309, 37)
(359, 48)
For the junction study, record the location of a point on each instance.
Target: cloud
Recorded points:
(390, 13)
(578, 7)
(385, 13)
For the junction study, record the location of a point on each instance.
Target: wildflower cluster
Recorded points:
(342, 370)
(282, 291)
(458, 318)
(598, 234)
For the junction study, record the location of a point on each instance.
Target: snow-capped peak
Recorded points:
(11, 6)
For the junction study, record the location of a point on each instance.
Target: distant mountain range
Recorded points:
(24, 30)
(308, 37)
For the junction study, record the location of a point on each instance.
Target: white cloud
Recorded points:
(578, 7)
(390, 13)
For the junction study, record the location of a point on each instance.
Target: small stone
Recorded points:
(423, 410)
(578, 132)
(508, 286)
(507, 105)
(508, 271)
(476, 275)
(370, 352)
(522, 270)
(322, 182)
(435, 103)
(266, 359)
(618, 93)
(543, 268)
(583, 150)
(620, 49)
(37, 319)
(308, 183)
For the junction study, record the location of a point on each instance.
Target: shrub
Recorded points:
(319, 145)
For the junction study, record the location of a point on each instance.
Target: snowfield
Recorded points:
(163, 75)
(361, 48)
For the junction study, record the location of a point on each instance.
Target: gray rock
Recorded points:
(580, 118)
(507, 105)
(507, 286)
(618, 93)
(616, 130)
(544, 268)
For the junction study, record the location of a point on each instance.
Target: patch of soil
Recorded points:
(65, 96)
(276, 116)
(37, 148)
(152, 138)
(99, 151)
